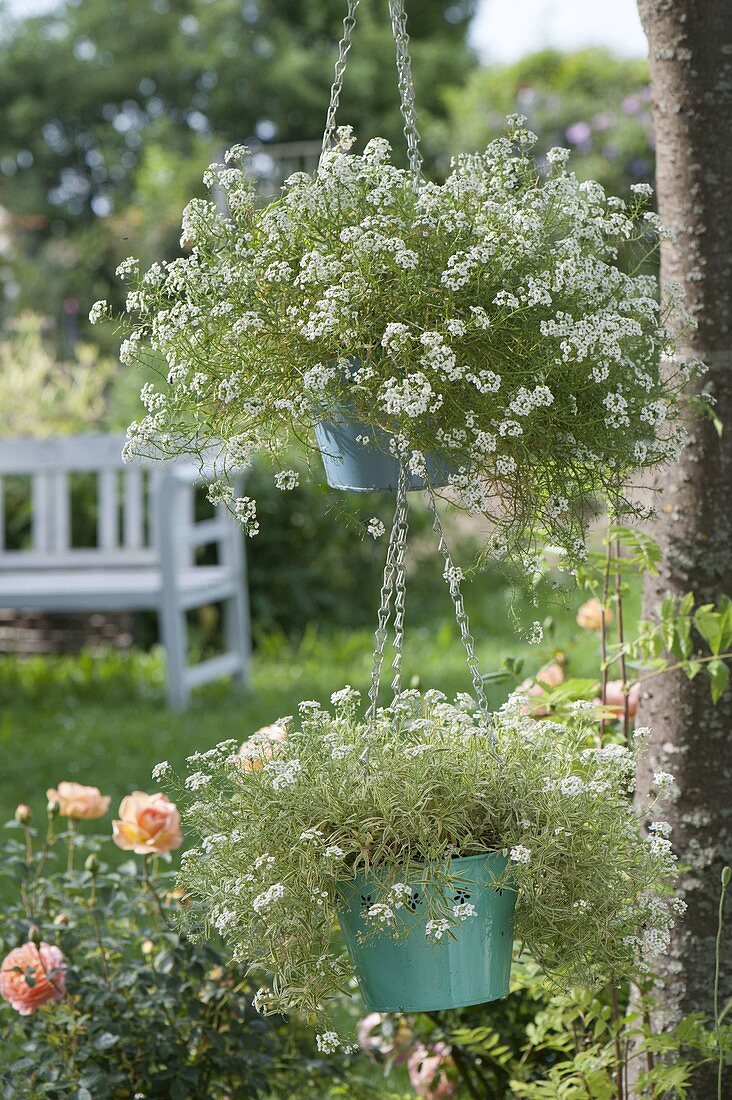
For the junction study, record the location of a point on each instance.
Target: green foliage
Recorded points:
(590, 100)
(40, 396)
(109, 115)
(434, 787)
(145, 1012)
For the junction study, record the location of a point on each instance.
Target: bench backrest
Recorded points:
(37, 476)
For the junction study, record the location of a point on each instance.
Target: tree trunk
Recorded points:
(690, 47)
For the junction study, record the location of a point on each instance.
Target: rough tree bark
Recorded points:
(690, 49)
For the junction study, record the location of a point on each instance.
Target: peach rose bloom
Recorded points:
(46, 967)
(77, 801)
(615, 699)
(261, 746)
(149, 824)
(591, 614)
(551, 675)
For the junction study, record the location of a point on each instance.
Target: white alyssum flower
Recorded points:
(268, 897)
(380, 913)
(520, 854)
(98, 311)
(436, 929)
(663, 781)
(464, 911)
(161, 771)
(346, 696)
(376, 528)
(328, 1042)
(287, 479)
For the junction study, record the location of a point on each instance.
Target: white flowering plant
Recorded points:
(287, 821)
(483, 321)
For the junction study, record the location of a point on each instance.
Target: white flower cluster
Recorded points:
(398, 306)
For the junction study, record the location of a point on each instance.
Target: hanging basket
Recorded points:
(364, 468)
(408, 972)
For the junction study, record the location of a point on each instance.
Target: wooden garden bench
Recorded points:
(144, 553)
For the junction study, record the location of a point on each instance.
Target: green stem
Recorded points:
(619, 1060)
(71, 827)
(603, 631)
(726, 873)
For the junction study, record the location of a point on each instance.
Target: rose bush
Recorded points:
(100, 995)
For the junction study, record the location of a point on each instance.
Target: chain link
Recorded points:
(344, 46)
(452, 577)
(400, 594)
(406, 87)
(394, 576)
(404, 78)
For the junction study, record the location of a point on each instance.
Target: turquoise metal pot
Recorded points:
(362, 469)
(412, 973)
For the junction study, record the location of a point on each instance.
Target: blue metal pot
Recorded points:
(363, 469)
(410, 973)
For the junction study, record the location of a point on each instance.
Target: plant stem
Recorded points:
(717, 967)
(618, 1045)
(603, 631)
(621, 643)
(71, 827)
(148, 885)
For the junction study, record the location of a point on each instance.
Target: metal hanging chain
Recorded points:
(406, 87)
(394, 577)
(344, 46)
(400, 593)
(404, 79)
(452, 576)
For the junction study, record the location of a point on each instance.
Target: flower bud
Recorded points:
(91, 864)
(147, 947)
(61, 920)
(53, 807)
(726, 875)
(22, 813)
(34, 934)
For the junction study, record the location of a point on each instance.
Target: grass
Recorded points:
(103, 720)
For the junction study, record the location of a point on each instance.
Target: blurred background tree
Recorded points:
(110, 113)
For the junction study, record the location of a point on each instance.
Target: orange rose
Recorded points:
(148, 824)
(261, 746)
(77, 801)
(591, 614)
(30, 976)
(615, 698)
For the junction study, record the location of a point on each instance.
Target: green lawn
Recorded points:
(102, 720)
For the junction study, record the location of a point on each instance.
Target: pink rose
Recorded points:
(615, 698)
(77, 801)
(30, 976)
(591, 614)
(427, 1074)
(384, 1036)
(148, 824)
(262, 746)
